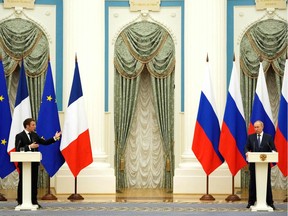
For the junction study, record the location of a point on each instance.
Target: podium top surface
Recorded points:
(262, 157)
(25, 156)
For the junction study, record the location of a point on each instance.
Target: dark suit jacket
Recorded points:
(22, 140)
(267, 145)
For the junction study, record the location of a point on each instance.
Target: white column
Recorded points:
(205, 33)
(84, 36)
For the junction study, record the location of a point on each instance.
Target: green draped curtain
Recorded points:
(23, 39)
(265, 40)
(144, 44)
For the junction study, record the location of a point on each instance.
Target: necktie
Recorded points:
(258, 140)
(30, 137)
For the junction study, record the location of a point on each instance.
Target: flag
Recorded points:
(233, 133)
(6, 167)
(47, 125)
(75, 145)
(22, 109)
(207, 130)
(281, 139)
(261, 109)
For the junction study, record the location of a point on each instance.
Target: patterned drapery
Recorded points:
(266, 39)
(144, 44)
(22, 39)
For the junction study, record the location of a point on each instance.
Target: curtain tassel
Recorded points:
(168, 165)
(122, 164)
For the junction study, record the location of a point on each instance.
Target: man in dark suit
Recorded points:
(28, 140)
(259, 142)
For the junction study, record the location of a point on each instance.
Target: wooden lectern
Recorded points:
(26, 158)
(261, 160)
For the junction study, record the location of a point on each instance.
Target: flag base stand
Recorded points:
(75, 197)
(232, 198)
(2, 198)
(207, 197)
(49, 196)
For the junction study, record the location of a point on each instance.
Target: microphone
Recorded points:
(270, 147)
(254, 146)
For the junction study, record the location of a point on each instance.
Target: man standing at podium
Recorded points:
(259, 142)
(28, 140)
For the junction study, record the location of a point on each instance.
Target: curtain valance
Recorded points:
(267, 38)
(144, 43)
(20, 38)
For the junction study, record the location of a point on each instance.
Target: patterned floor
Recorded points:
(140, 208)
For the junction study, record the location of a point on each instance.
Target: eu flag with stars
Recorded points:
(6, 167)
(47, 125)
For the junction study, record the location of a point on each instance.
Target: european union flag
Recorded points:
(6, 167)
(47, 125)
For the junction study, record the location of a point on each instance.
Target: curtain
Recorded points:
(144, 44)
(266, 40)
(144, 154)
(23, 39)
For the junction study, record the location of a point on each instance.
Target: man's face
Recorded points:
(258, 127)
(31, 127)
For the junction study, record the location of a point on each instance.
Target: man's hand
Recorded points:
(57, 135)
(33, 145)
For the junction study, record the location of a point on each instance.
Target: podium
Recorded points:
(26, 158)
(261, 160)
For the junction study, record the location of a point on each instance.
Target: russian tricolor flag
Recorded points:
(207, 130)
(234, 133)
(75, 144)
(261, 109)
(22, 109)
(281, 139)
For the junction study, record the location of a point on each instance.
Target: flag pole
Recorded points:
(207, 196)
(233, 197)
(2, 198)
(75, 196)
(48, 195)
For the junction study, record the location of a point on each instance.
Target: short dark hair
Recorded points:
(27, 122)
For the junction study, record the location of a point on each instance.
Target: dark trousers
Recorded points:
(34, 183)
(252, 186)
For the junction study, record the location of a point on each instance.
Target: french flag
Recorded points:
(261, 109)
(22, 109)
(207, 130)
(75, 144)
(281, 139)
(234, 133)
